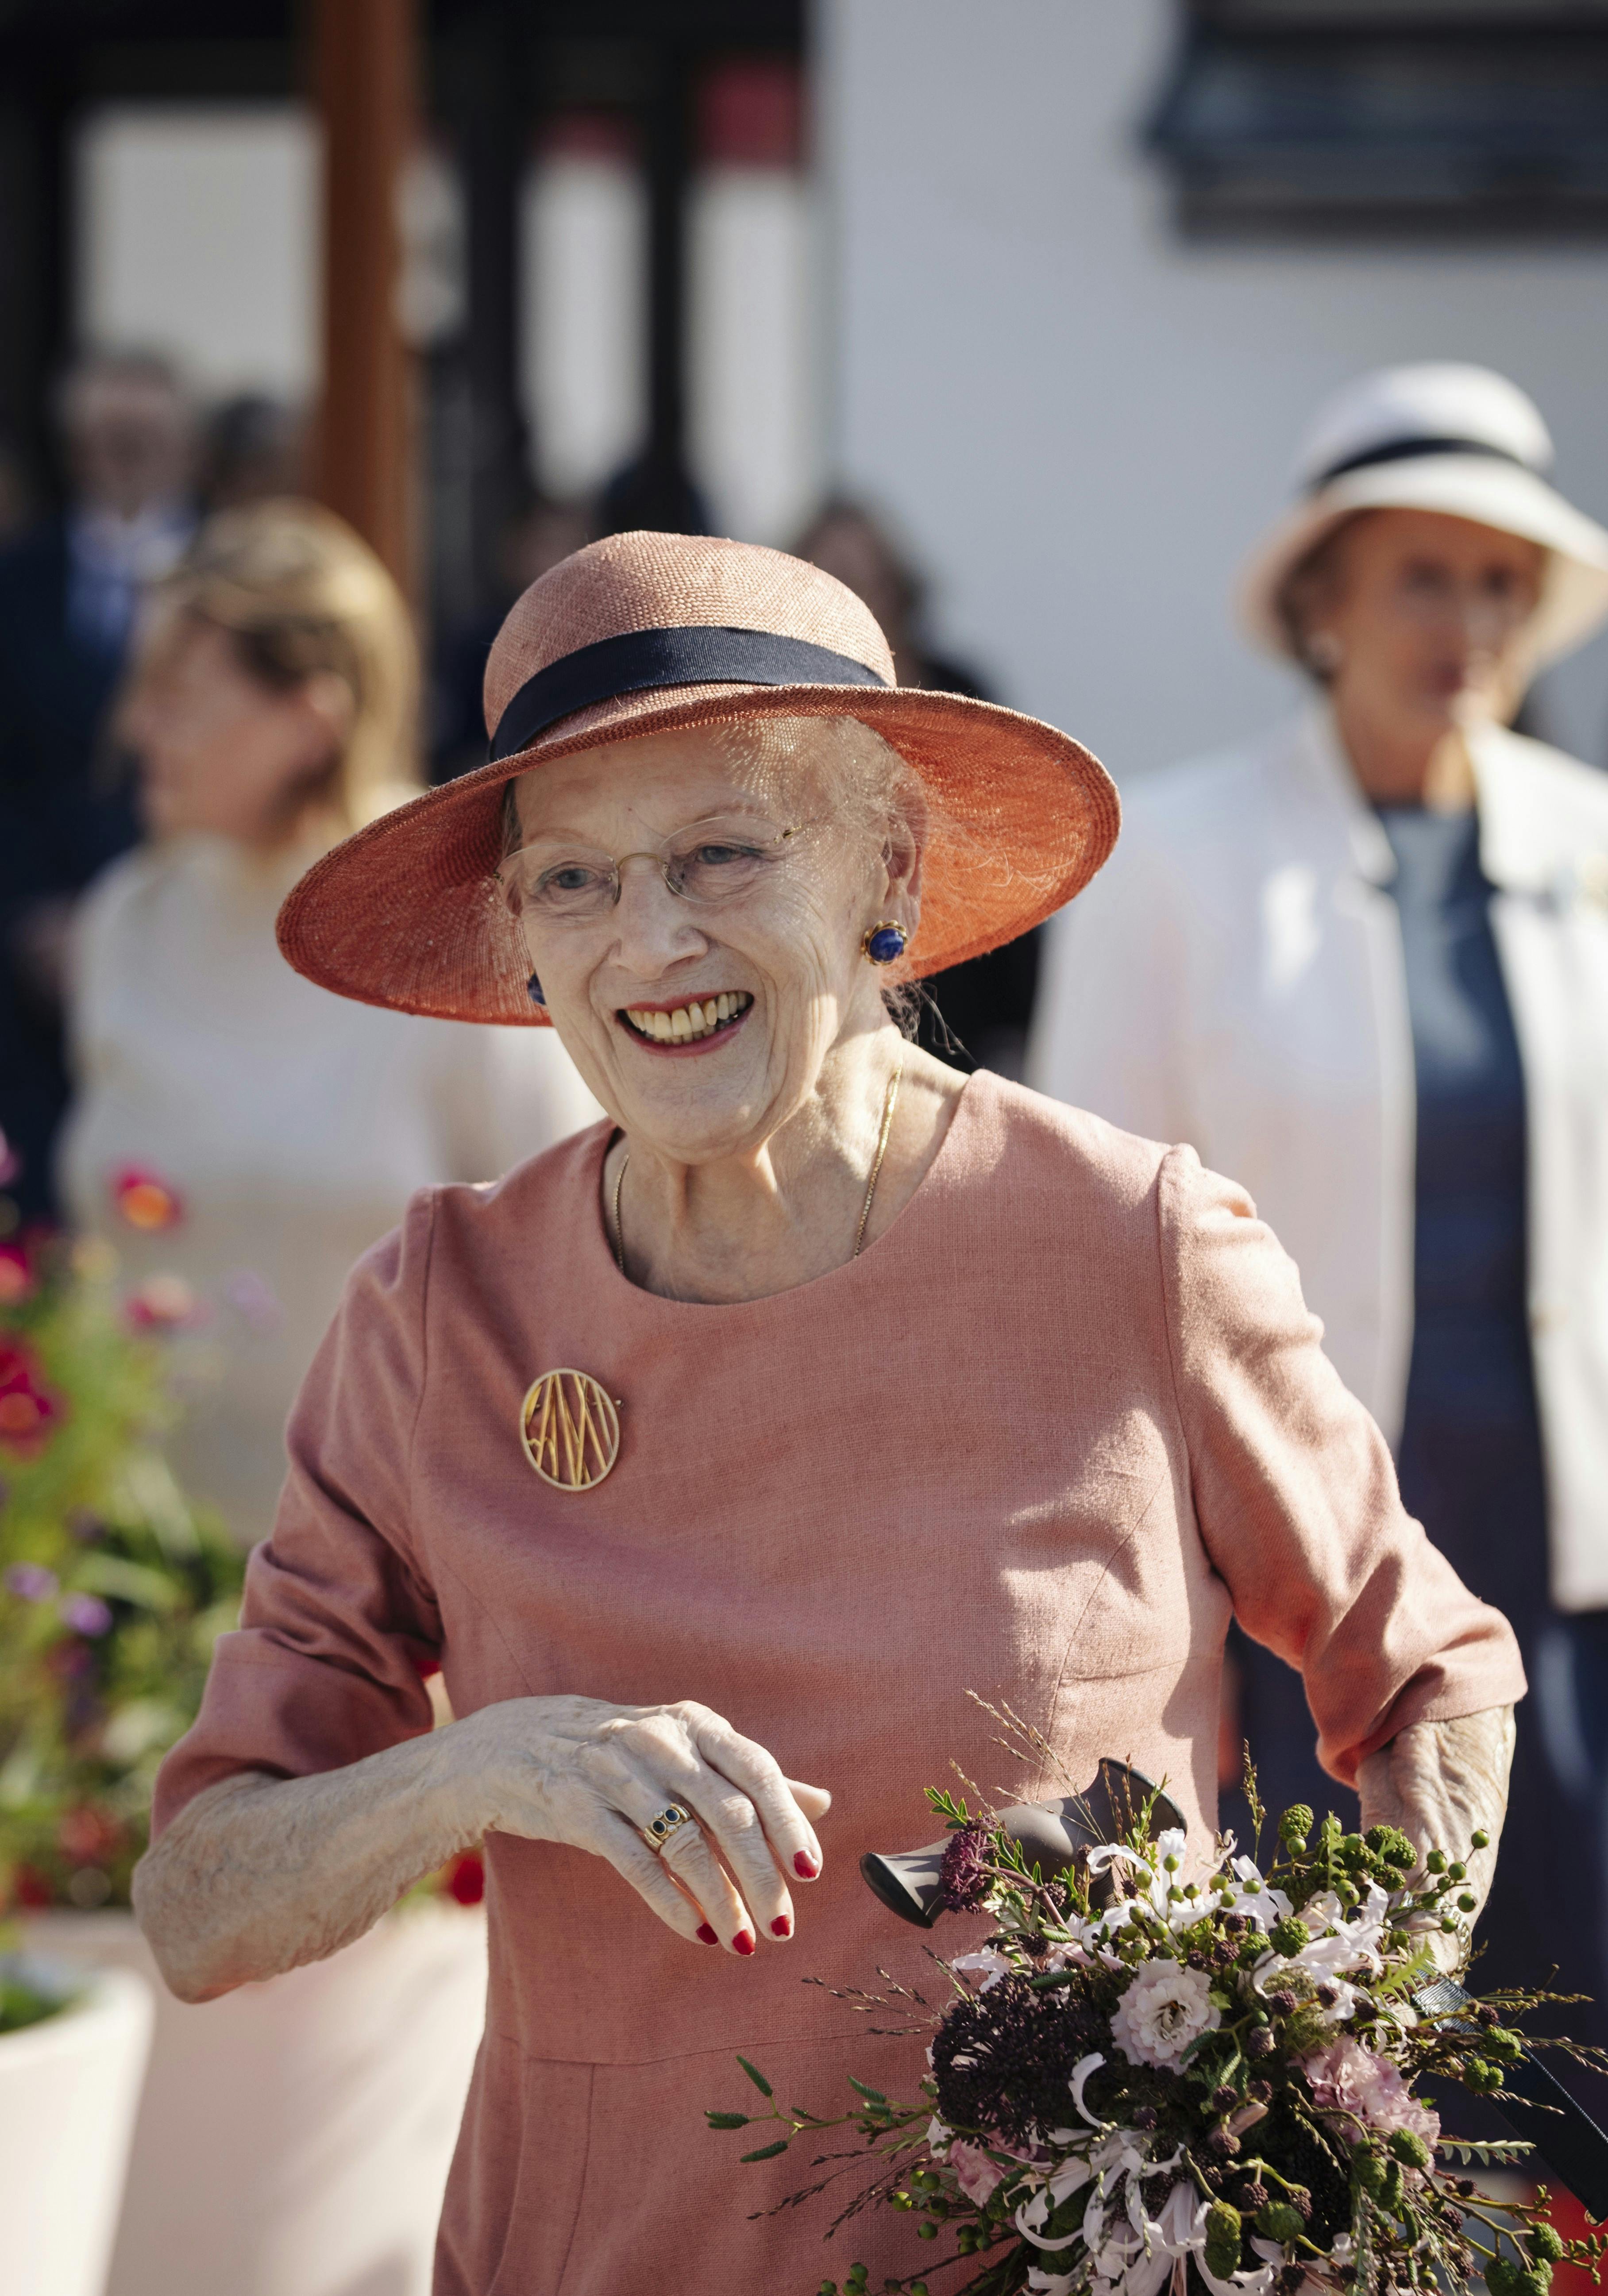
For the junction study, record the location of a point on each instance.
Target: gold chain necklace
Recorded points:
(890, 1103)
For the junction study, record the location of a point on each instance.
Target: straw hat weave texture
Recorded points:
(408, 912)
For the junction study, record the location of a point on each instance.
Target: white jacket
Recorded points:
(1234, 978)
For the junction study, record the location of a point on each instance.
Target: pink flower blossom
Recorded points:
(976, 2175)
(31, 1582)
(162, 1302)
(87, 1614)
(1346, 2078)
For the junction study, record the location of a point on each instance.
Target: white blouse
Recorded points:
(292, 1124)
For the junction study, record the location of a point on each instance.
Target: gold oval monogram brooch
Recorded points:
(569, 1427)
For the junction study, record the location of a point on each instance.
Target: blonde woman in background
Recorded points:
(241, 1136)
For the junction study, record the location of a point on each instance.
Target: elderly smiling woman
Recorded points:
(725, 1446)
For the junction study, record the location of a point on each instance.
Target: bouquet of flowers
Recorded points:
(1218, 2080)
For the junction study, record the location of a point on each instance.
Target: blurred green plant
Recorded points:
(113, 1588)
(24, 1998)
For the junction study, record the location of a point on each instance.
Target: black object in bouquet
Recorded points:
(1052, 1833)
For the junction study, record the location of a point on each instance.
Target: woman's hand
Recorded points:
(260, 1875)
(594, 1776)
(1443, 1782)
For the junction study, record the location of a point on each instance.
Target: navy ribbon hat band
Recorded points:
(694, 655)
(1408, 450)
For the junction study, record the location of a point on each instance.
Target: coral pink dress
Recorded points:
(1064, 1415)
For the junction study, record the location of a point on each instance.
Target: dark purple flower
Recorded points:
(963, 1879)
(87, 1614)
(32, 1581)
(1004, 2058)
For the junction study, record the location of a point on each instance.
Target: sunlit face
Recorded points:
(218, 749)
(755, 985)
(1428, 621)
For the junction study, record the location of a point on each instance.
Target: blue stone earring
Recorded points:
(533, 989)
(884, 943)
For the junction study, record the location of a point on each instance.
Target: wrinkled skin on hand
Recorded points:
(1443, 1782)
(259, 1874)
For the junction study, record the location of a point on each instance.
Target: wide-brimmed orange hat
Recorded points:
(645, 632)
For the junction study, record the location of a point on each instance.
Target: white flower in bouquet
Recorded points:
(1166, 2007)
(987, 1965)
(1241, 1888)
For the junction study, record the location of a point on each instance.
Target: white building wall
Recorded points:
(1082, 423)
(754, 379)
(198, 235)
(584, 252)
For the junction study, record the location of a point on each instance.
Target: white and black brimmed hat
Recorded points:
(1456, 439)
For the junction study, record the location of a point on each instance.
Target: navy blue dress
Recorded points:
(1470, 1458)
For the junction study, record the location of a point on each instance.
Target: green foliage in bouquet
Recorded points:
(112, 1587)
(1213, 2082)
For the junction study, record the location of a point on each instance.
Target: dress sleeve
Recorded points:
(337, 1620)
(1295, 1492)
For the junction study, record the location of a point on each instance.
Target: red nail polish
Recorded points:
(705, 1936)
(805, 1867)
(782, 1926)
(743, 1942)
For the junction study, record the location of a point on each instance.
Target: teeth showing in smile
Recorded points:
(699, 1017)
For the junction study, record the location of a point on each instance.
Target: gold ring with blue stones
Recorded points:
(662, 1829)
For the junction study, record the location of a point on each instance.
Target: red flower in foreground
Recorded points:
(28, 1409)
(87, 1835)
(465, 1878)
(31, 1890)
(145, 1199)
(17, 1280)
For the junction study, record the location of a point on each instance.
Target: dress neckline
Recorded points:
(605, 1269)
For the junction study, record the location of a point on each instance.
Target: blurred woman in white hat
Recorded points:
(1361, 963)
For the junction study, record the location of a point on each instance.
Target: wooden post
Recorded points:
(365, 85)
